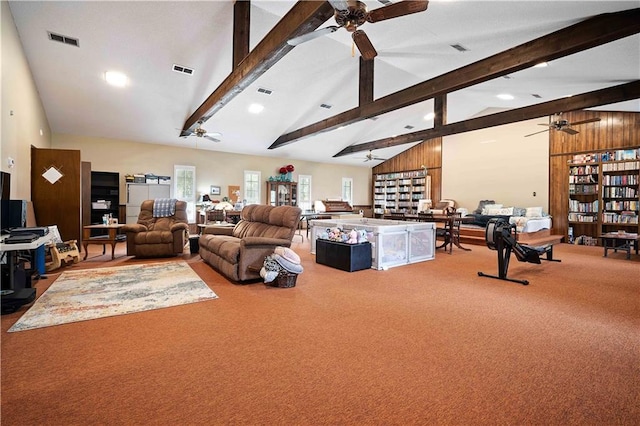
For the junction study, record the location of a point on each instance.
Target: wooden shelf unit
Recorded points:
(604, 193)
(400, 192)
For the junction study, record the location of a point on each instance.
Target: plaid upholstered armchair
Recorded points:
(161, 231)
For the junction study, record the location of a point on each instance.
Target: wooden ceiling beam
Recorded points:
(304, 17)
(620, 93)
(584, 35)
(241, 27)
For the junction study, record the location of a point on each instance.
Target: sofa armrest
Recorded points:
(264, 241)
(134, 227)
(178, 226)
(218, 230)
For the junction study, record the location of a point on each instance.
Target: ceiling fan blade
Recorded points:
(312, 35)
(365, 47)
(541, 131)
(397, 9)
(546, 125)
(339, 4)
(569, 131)
(591, 120)
(212, 138)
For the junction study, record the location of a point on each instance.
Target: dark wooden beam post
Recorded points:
(304, 17)
(440, 110)
(366, 82)
(611, 95)
(584, 35)
(241, 26)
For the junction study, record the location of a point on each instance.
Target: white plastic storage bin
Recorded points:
(393, 243)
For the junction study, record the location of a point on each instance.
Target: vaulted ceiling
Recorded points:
(146, 39)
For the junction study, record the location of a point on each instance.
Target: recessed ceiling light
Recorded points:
(115, 78)
(430, 116)
(505, 97)
(540, 65)
(255, 108)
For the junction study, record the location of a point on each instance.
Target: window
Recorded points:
(184, 188)
(252, 180)
(347, 190)
(304, 192)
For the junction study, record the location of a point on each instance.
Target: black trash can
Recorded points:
(193, 244)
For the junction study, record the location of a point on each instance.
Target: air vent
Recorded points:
(374, 118)
(508, 77)
(64, 39)
(535, 95)
(326, 106)
(182, 70)
(459, 47)
(408, 127)
(265, 91)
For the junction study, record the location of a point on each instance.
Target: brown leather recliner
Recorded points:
(238, 252)
(157, 236)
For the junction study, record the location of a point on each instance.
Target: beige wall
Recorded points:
(497, 163)
(212, 168)
(24, 122)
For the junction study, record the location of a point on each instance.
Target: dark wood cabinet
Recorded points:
(282, 193)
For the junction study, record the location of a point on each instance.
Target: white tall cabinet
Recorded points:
(139, 192)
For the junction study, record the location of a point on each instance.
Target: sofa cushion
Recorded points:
(225, 246)
(259, 220)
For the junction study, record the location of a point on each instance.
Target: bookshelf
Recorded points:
(400, 192)
(604, 193)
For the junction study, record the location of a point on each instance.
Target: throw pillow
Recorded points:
(534, 212)
(504, 211)
(488, 207)
(481, 205)
(519, 211)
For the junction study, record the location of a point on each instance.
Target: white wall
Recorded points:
(497, 163)
(23, 117)
(212, 168)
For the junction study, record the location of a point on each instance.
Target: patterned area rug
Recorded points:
(104, 292)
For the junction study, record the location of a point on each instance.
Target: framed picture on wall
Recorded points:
(215, 190)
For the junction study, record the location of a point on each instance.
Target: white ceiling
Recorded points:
(145, 38)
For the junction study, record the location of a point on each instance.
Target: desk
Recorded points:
(111, 238)
(619, 241)
(12, 253)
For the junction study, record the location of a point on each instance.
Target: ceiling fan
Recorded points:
(202, 133)
(371, 157)
(351, 14)
(563, 125)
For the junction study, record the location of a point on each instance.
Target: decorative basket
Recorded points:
(285, 279)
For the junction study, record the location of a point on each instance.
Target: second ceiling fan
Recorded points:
(351, 14)
(563, 125)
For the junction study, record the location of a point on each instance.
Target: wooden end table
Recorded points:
(620, 241)
(110, 238)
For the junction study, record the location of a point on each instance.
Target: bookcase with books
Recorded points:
(400, 192)
(604, 193)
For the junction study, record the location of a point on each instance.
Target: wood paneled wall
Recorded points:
(427, 153)
(615, 130)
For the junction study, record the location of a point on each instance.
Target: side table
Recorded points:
(624, 241)
(111, 238)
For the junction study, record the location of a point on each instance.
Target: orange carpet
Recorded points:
(429, 343)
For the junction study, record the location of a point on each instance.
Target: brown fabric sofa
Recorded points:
(238, 253)
(157, 236)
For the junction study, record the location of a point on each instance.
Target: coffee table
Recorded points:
(111, 238)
